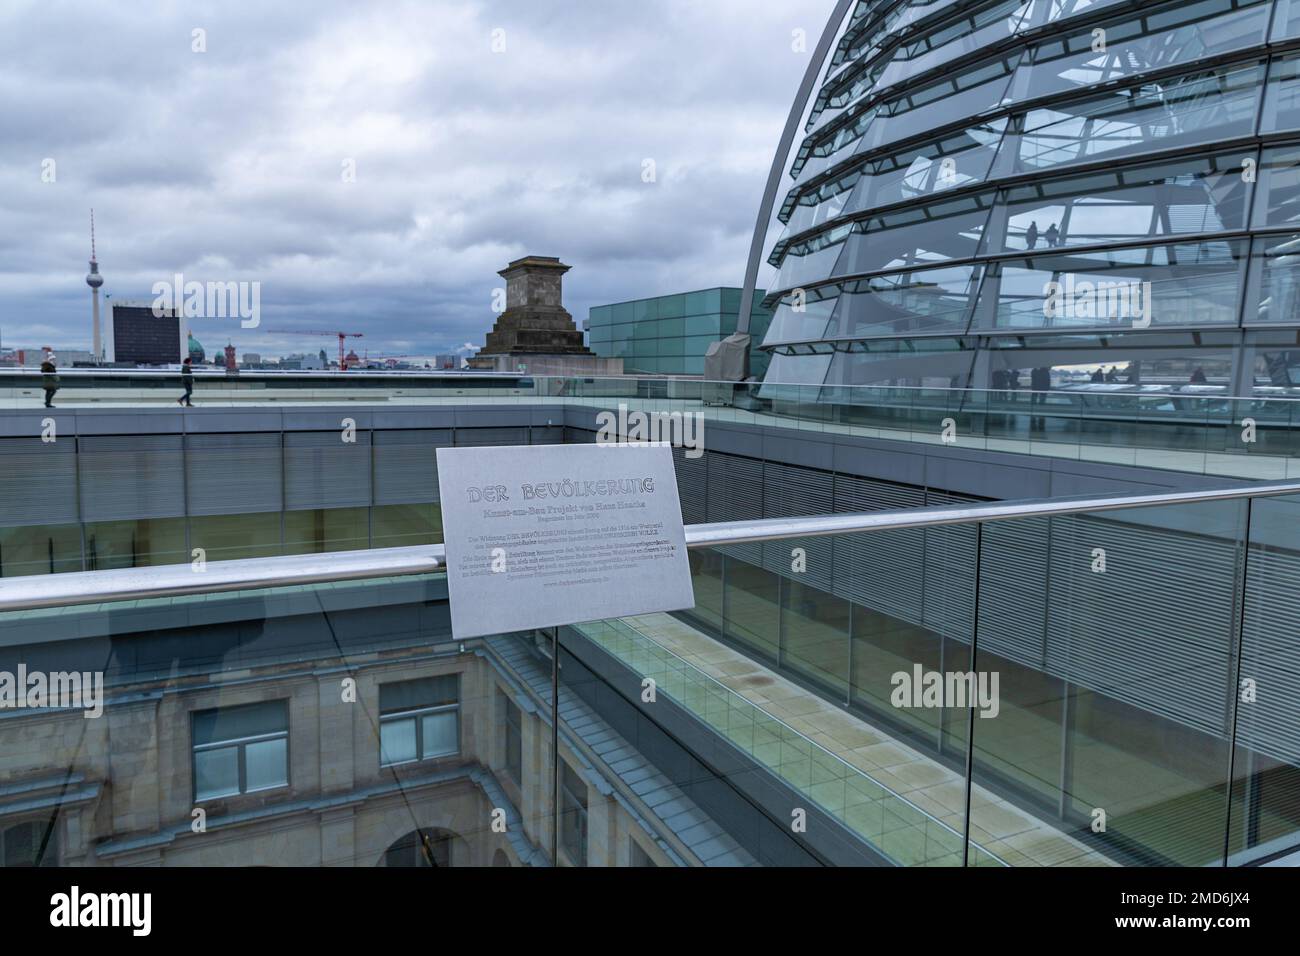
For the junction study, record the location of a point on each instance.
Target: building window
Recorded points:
(514, 740)
(240, 749)
(29, 844)
(420, 848)
(419, 719)
(573, 815)
(638, 856)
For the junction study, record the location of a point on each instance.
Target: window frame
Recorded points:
(513, 721)
(417, 715)
(240, 745)
(571, 802)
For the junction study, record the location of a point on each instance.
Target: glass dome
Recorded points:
(1031, 190)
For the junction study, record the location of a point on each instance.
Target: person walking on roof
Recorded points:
(187, 379)
(49, 379)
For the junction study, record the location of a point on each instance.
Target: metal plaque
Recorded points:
(543, 535)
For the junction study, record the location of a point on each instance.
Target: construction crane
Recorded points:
(341, 336)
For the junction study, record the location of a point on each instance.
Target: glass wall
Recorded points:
(1099, 672)
(669, 334)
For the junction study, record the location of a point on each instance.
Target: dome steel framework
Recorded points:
(1048, 193)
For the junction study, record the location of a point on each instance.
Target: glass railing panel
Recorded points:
(810, 710)
(688, 753)
(1260, 432)
(325, 725)
(1162, 422)
(829, 804)
(1265, 811)
(1106, 426)
(1110, 638)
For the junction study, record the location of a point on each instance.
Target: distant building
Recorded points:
(669, 334)
(252, 360)
(195, 350)
(446, 361)
(142, 338)
(298, 360)
(32, 357)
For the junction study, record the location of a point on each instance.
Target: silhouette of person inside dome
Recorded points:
(1053, 235)
(1031, 235)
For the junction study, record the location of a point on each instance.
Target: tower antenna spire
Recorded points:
(94, 280)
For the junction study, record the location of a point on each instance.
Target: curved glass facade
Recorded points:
(1046, 194)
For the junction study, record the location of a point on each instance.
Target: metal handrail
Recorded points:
(74, 588)
(444, 376)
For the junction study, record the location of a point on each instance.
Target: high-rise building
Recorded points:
(1056, 195)
(142, 338)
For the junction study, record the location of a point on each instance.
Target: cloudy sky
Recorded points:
(231, 164)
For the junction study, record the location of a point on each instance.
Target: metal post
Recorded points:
(970, 719)
(555, 746)
(1066, 773)
(1236, 646)
(791, 129)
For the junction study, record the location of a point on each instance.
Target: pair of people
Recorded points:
(50, 381)
(1053, 235)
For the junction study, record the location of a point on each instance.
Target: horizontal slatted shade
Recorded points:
(125, 477)
(38, 482)
(323, 471)
(789, 490)
(692, 486)
(881, 571)
(735, 494)
(406, 465)
(1155, 630)
(1270, 647)
(1013, 590)
(949, 585)
(234, 474)
(491, 436)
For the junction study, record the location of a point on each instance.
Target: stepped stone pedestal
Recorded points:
(535, 331)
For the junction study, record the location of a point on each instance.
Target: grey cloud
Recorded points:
(227, 164)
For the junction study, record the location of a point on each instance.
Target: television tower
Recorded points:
(94, 280)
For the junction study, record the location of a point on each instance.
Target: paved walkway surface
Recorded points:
(897, 798)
